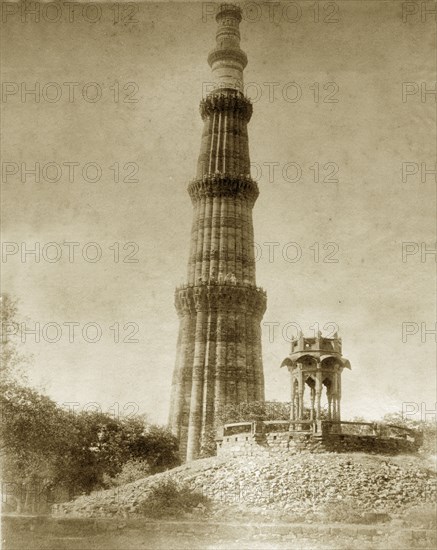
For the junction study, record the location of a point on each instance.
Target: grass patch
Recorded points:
(168, 499)
(423, 516)
(344, 511)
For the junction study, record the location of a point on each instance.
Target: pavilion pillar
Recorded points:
(329, 395)
(318, 388)
(313, 397)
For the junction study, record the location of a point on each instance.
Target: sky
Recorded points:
(342, 134)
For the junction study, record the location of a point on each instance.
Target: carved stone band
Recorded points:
(226, 100)
(223, 186)
(220, 297)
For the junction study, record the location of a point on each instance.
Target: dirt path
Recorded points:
(188, 536)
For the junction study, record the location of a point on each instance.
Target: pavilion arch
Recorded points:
(315, 366)
(308, 361)
(329, 362)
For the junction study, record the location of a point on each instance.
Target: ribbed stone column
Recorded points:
(206, 250)
(230, 151)
(231, 221)
(209, 379)
(177, 387)
(223, 252)
(193, 246)
(220, 382)
(231, 363)
(199, 242)
(219, 357)
(215, 239)
(242, 395)
(245, 241)
(250, 371)
(195, 425)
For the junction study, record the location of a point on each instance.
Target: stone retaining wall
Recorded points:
(248, 444)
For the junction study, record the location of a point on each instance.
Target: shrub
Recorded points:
(170, 499)
(255, 410)
(132, 470)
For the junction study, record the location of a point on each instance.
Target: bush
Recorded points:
(169, 499)
(427, 427)
(132, 470)
(255, 410)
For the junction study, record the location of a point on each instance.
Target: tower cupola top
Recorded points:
(228, 10)
(316, 343)
(227, 60)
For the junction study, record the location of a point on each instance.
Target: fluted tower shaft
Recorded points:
(220, 308)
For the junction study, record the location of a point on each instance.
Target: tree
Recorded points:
(46, 447)
(254, 410)
(131, 470)
(43, 446)
(427, 427)
(12, 361)
(153, 443)
(35, 437)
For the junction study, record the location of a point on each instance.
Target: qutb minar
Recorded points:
(219, 359)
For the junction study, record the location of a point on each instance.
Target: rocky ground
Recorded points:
(300, 487)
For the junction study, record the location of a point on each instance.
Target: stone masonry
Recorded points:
(218, 358)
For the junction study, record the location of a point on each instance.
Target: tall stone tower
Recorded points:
(218, 360)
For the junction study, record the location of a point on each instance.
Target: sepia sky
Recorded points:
(359, 130)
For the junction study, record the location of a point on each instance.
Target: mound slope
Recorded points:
(294, 484)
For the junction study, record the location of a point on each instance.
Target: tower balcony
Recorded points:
(225, 296)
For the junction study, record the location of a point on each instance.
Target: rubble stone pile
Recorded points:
(296, 484)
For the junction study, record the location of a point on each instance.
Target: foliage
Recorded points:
(35, 436)
(209, 446)
(160, 447)
(12, 361)
(255, 410)
(132, 470)
(169, 499)
(46, 446)
(244, 412)
(427, 427)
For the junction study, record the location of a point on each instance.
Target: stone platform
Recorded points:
(249, 438)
